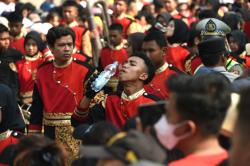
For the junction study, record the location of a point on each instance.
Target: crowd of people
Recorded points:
(179, 96)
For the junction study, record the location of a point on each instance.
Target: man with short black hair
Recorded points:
(137, 71)
(213, 55)
(16, 31)
(154, 45)
(59, 89)
(194, 113)
(71, 13)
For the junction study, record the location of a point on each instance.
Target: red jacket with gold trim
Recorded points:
(157, 86)
(27, 69)
(57, 93)
(118, 110)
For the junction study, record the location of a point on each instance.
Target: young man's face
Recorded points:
(170, 5)
(15, 28)
(120, 7)
(115, 37)
(31, 47)
(154, 52)
(133, 69)
(63, 48)
(70, 13)
(4, 40)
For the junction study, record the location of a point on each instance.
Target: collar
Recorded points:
(73, 24)
(19, 36)
(219, 68)
(63, 66)
(120, 46)
(162, 68)
(5, 134)
(35, 57)
(121, 16)
(133, 96)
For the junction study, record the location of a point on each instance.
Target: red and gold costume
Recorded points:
(129, 24)
(27, 69)
(18, 43)
(57, 92)
(120, 108)
(157, 86)
(176, 56)
(117, 108)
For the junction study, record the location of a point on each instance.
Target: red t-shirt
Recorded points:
(196, 160)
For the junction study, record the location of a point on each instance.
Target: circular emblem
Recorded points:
(210, 26)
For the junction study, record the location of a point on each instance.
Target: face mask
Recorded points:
(165, 133)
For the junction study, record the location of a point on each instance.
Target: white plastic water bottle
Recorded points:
(104, 77)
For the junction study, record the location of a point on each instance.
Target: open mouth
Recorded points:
(67, 55)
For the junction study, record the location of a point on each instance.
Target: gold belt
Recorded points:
(57, 119)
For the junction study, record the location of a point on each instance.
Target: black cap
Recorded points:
(212, 46)
(128, 147)
(95, 134)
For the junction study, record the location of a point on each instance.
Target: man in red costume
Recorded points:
(137, 71)
(71, 16)
(119, 16)
(58, 90)
(154, 45)
(17, 35)
(114, 52)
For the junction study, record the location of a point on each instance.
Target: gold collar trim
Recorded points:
(19, 36)
(35, 57)
(73, 24)
(162, 68)
(133, 96)
(63, 66)
(120, 46)
(5, 134)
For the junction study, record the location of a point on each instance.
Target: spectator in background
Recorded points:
(11, 119)
(171, 8)
(177, 36)
(114, 52)
(71, 11)
(134, 42)
(119, 16)
(17, 35)
(8, 58)
(53, 18)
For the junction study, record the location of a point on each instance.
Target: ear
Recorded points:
(164, 50)
(143, 76)
(187, 127)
